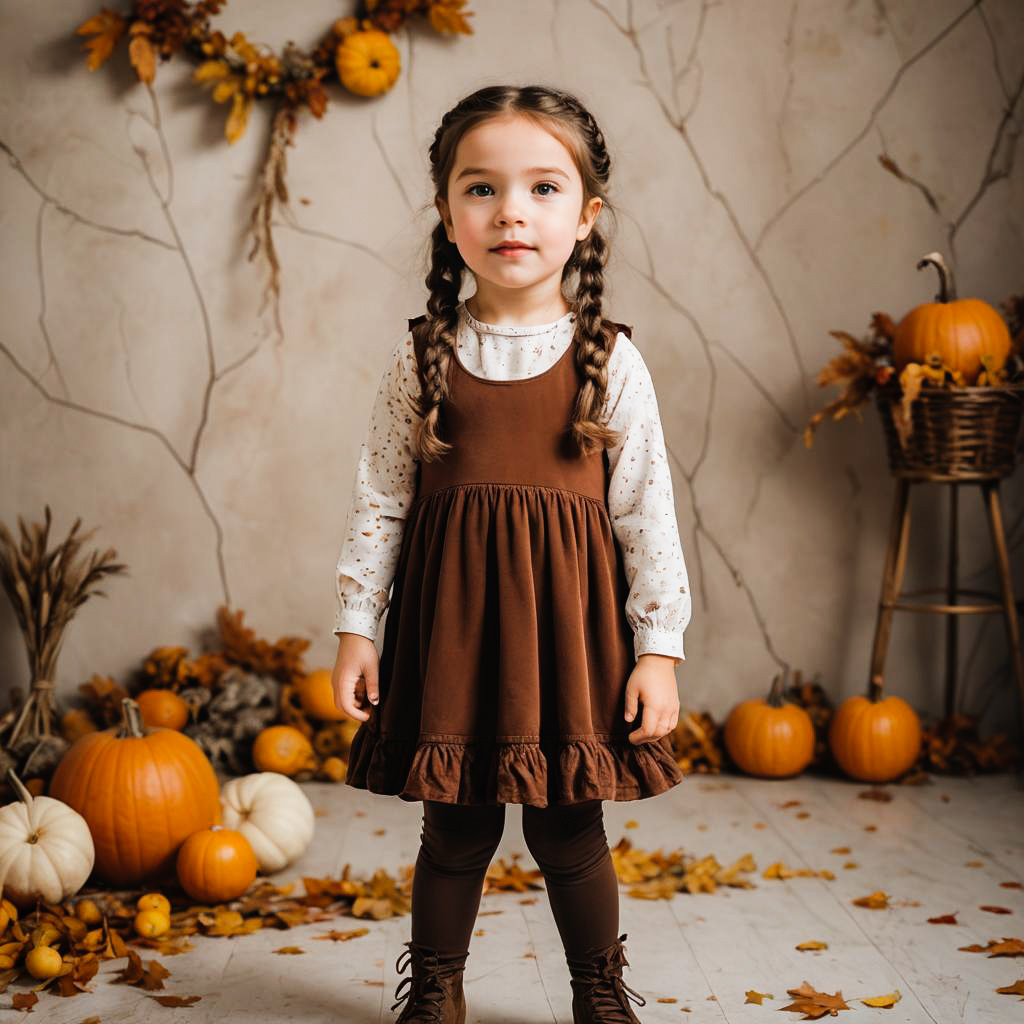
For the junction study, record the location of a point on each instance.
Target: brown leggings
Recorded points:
(568, 843)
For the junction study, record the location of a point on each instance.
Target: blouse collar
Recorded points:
(509, 330)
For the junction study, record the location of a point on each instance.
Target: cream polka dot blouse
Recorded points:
(640, 501)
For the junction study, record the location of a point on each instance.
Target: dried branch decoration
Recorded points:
(46, 588)
(860, 369)
(356, 51)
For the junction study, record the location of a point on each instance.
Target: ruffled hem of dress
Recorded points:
(454, 770)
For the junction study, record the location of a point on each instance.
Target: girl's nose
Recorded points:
(510, 211)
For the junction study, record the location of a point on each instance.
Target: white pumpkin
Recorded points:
(273, 813)
(46, 848)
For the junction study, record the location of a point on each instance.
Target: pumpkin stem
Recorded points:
(131, 721)
(19, 787)
(947, 287)
(875, 689)
(775, 694)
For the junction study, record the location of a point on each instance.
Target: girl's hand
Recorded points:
(355, 675)
(653, 681)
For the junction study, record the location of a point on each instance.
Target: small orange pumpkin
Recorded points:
(316, 694)
(875, 738)
(162, 708)
(216, 865)
(76, 722)
(770, 737)
(141, 792)
(962, 331)
(282, 748)
(368, 62)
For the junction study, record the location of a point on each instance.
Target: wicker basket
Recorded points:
(958, 433)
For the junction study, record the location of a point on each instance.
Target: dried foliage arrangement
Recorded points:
(903, 351)
(233, 692)
(228, 697)
(46, 586)
(863, 366)
(355, 51)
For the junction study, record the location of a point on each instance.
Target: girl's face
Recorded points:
(512, 180)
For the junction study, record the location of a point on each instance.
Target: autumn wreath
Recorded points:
(355, 51)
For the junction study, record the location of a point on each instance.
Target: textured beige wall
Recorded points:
(141, 390)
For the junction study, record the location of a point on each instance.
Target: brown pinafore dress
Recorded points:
(506, 649)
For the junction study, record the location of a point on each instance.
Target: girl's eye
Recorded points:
(543, 184)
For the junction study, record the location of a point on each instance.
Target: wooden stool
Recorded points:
(895, 560)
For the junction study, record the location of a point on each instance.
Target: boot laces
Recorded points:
(424, 984)
(601, 982)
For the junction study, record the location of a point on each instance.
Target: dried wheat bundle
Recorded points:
(46, 588)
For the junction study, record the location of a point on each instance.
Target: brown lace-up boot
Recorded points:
(435, 993)
(599, 995)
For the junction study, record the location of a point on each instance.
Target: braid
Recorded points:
(443, 282)
(593, 340)
(602, 162)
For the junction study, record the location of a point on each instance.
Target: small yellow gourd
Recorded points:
(154, 901)
(88, 912)
(43, 962)
(151, 923)
(368, 62)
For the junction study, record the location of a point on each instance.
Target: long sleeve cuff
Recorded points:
(352, 620)
(651, 641)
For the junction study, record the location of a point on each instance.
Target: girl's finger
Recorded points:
(347, 697)
(372, 688)
(646, 730)
(631, 701)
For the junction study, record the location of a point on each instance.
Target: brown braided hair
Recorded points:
(565, 117)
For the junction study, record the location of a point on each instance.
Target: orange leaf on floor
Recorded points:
(884, 1002)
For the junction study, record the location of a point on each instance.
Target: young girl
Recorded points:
(514, 488)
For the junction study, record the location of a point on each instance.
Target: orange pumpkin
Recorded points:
(770, 737)
(142, 793)
(368, 62)
(282, 748)
(76, 722)
(961, 331)
(875, 738)
(161, 708)
(316, 694)
(216, 864)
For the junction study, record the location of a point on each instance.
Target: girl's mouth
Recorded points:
(516, 250)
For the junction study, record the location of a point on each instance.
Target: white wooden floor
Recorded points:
(932, 856)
